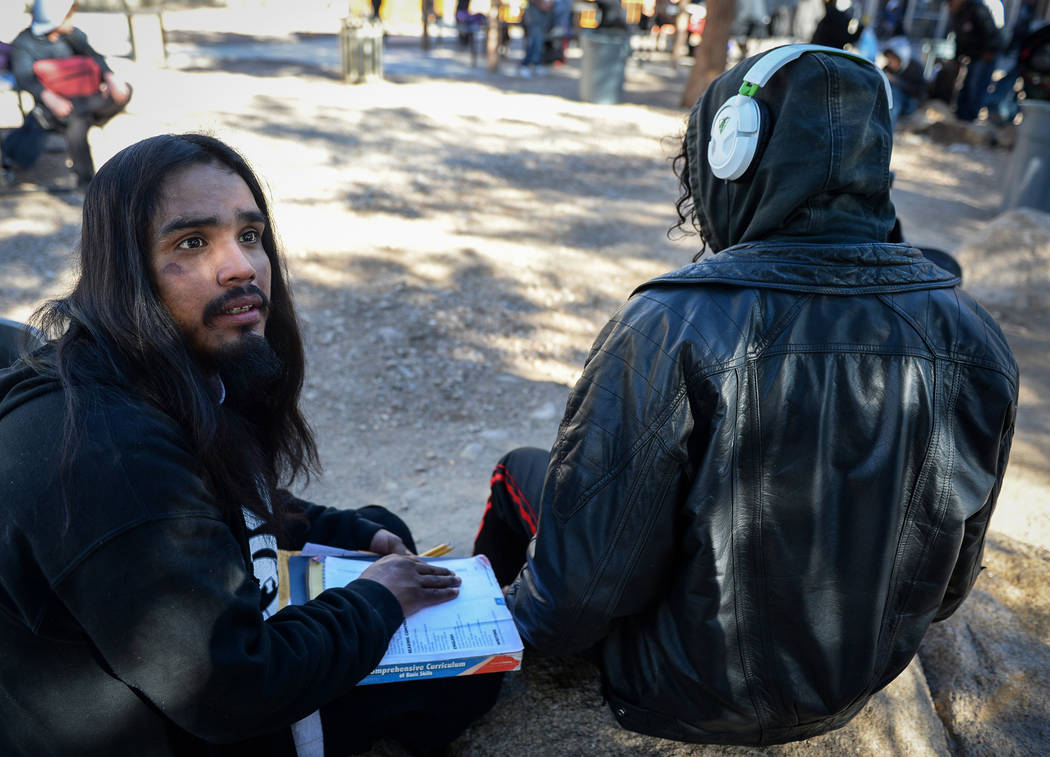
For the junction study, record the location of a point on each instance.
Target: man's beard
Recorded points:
(251, 372)
(249, 368)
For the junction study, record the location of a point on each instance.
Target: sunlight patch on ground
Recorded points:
(1023, 509)
(963, 176)
(29, 214)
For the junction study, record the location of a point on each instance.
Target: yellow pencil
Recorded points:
(440, 549)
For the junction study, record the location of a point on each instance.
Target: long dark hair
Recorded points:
(113, 328)
(685, 206)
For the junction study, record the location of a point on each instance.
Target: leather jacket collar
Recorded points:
(826, 269)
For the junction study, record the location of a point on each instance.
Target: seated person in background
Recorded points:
(779, 463)
(73, 87)
(906, 79)
(143, 454)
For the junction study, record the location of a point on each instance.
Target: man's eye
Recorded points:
(191, 243)
(250, 236)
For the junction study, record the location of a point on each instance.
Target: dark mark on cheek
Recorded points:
(173, 269)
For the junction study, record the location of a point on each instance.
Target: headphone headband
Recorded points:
(759, 74)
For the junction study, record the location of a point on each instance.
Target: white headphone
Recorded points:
(737, 126)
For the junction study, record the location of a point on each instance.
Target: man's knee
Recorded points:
(524, 461)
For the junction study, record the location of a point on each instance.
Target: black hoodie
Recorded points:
(130, 620)
(824, 173)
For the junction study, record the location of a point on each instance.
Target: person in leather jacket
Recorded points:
(779, 463)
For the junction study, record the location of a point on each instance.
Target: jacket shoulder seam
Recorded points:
(122, 529)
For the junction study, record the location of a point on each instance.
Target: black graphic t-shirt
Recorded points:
(263, 548)
(262, 544)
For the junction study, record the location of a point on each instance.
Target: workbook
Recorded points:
(473, 633)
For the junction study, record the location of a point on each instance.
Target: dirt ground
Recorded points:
(456, 239)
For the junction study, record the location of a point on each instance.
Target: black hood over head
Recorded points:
(823, 174)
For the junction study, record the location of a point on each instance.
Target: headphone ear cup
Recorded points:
(735, 135)
(765, 128)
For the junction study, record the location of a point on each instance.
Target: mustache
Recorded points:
(216, 306)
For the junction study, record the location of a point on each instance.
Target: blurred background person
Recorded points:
(838, 27)
(751, 22)
(1002, 100)
(537, 19)
(560, 31)
(977, 44)
(906, 79)
(73, 87)
(1034, 64)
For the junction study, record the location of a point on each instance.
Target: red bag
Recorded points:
(77, 76)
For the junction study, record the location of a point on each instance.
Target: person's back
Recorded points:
(833, 481)
(778, 465)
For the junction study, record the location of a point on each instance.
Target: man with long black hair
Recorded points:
(143, 453)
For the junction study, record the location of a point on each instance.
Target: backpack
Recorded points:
(76, 76)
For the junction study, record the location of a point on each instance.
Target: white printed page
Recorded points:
(477, 622)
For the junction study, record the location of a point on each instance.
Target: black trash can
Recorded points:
(605, 53)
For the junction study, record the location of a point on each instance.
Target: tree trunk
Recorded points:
(492, 37)
(427, 7)
(681, 39)
(711, 53)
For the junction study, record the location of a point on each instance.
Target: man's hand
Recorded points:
(387, 543)
(57, 104)
(415, 583)
(118, 90)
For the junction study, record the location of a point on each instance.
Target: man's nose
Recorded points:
(234, 266)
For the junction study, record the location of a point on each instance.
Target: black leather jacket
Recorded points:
(776, 469)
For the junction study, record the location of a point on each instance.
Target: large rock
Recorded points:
(988, 666)
(554, 707)
(1008, 263)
